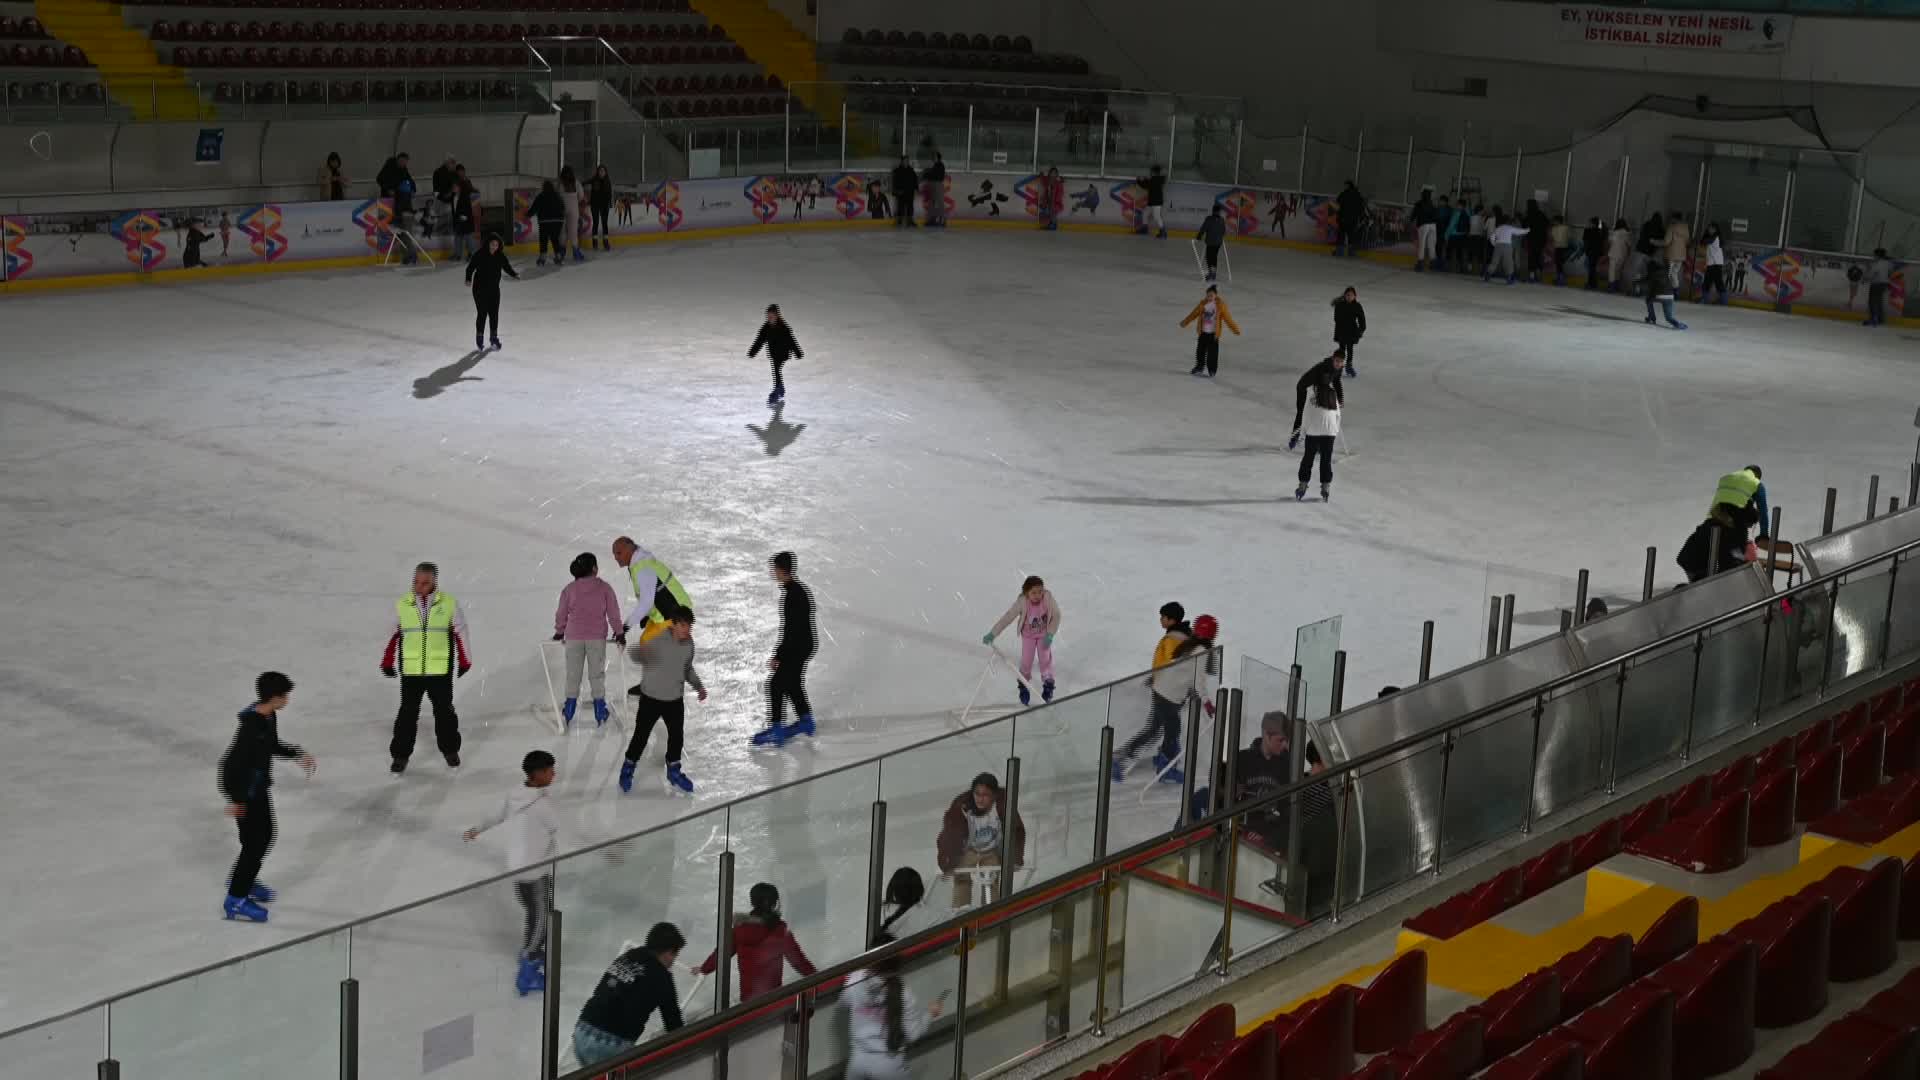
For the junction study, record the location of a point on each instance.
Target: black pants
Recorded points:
(1346, 351)
(1714, 278)
(1206, 353)
(779, 384)
(536, 900)
(486, 312)
(550, 237)
(256, 837)
(1164, 721)
(651, 709)
(1213, 257)
(903, 208)
(1877, 303)
(788, 683)
(1346, 238)
(446, 724)
(1320, 446)
(600, 221)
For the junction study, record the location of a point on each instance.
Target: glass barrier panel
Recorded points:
(1392, 837)
(1070, 139)
(1162, 934)
(1271, 159)
(1383, 168)
(1538, 599)
(1136, 137)
(1903, 633)
(277, 1014)
(1489, 781)
(1574, 743)
(1003, 138)
(1330, 159)
(812, 841)
(1859, 623)
(937, 126)
(1649, 715)
(73, 1047)
(1822, 204)
(922, 786)
(1021, 978)
(1203, 150)
(1145, 801)
(1061, 772)
(1726, 693)
(807, 142)
(437, 989)
(609, 899)
(1543, 178)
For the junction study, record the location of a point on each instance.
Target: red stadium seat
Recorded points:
(1593, 973)
(1393, 1007)
(1794, 941)
(1713, 987)
(1770, 818)
(1672, 934)
(1711, 840)
(1866, 918)
(1863, 755)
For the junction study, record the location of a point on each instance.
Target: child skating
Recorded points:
(1349, 326)
(1318, 399)
(666, 667)
(1039, 618)
(1179, 667)
(777, 338)
(1211, 313)
(533, 838)
(246, 782)
(588, 616)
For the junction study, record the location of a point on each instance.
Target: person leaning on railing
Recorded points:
(638, 984)
(970, 837)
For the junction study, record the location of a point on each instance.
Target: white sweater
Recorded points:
(533, 827)
(1318, 421)
(866, 1001)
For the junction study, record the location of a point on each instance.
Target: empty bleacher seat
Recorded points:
(1593, 972)
(1206, 1038)
(1863, 753)
(1543, 1059)
(1317, 1038)
(1393, 1007)
(1595, 847)
(1627, 1037)
(1545, 870)
(1470, 908)
(1855, 1046)
(1672, 934)
(1711, 840)
(1714, 987)
(1770, 815)
(1818, 792)
(1644, 819)
(1793, 941)
(1520, 1013)
(1866, 918)
(1455, 1049)
(1876, 815)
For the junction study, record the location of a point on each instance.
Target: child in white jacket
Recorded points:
(1039, 618)
(533, 839)
(884, 1018)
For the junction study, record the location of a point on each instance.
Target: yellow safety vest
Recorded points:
(426, 641)
(661, 576)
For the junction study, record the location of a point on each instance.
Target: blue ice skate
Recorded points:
(775, 734)
(1300, 493)
(531, 978)
(1119, 770)
(678, 779)
(802, 726)
(1046, 690)
(1173, 776)
(1025, 697)
(626, 777)
(240, 907)
(600, 712)
(262, 894)
(579, 256)
(566, 711)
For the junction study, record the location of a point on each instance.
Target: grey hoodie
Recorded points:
(1213, 231)
(666, 665)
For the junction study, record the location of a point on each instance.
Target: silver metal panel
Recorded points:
(1398, 806)
(1668, 613)
(1859, 616)
(1863, 541)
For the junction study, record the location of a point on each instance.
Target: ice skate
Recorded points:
(1300, 493)
(531, 978)
(1021, 689)
(1119, 770)
(262, 894)
(496, 345)
(1198, 370)
(541, 261)
(1161, 761)
(397, 767)
(1173, 776)
(1046, 690)
(677, 780)
(239, 907)
(1676, 324)
(1326, 492)
(1350, 373)
(453, 761)
(479, 341)
(579, 256)
(1163, 234)
(626, 776)
(802, 726)
(567, 708)
(600, 712)
(775, 734)
(1651, 321)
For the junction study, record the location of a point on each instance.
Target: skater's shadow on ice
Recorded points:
(1203, 451)
(1149, 502)
(456, 372)
(1565, 310)
(778, 434)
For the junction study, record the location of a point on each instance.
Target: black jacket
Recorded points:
(797, 641)
(936, 172)
(1213, 231)
(443, 180)
(463, 203)
(628, 994)
(548, 206)
(904, 181)
(1156, 186)
(777, 339)
(396, 183)
(1696, 555)
(246, 770)
(600, 193)
(1349, 321)
(1328, 368)
(1350, 206)
(1423, 212)
(485, 267)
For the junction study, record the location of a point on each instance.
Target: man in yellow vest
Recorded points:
(1736, 490)
(426, 651)
(657, 593)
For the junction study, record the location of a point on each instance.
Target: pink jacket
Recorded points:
(589, 611)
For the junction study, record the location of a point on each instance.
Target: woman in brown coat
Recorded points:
(1211, 313)
(970, 836)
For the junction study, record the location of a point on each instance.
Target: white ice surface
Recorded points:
(202, 482)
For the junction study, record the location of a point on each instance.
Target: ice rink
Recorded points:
(202, 482)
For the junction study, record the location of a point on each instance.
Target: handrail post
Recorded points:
(1766, 650)
(1580, 598)
(1826, 520)
(843, 134)
(803, 1033)
(1228, 717)
(1339, 698)
(1773, 538)
(1506, 624)
(108, 1069)
(1102, 912)
(1218, 745)
(550, 998)
(1646, 582)
(786, 130)
(1193, 757)
(969, 136)
(1440, 825)
(1693, 695)
(1036, 138)
(1103, 793)
(1533, 765)
(1826, 651)
(877, 867)
(1426, 650)
(349, 1029)
(960, 1000)
(1296, 768)
(1010, 850)
(1493, 627)
(1873, 496)
(1103, 139)
(1713, 552)
(1913, 484)
(1886, 624)
(1340, 853)
(1619, 713)
(723, 960)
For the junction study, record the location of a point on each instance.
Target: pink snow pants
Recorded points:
(1031, 647)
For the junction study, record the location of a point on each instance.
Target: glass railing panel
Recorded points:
(1061, 773)
(1858, 622)
(1574, 744)
(812, 842)
(1204, 147)
(1070, 139)
(1391, 837)
(1137, 137)
(71, 1047)
(1162, 934)
(1650, 718)
(1145, 803)
(1022, 976)
(274, 1014)
(1903, 631)
(1489, 781)
(1727, 691)
(928, 831)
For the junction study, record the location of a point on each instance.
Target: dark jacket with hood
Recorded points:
(600, 192)
(777, 339)
(246, 770)
(396, 183)
(548, 206)
(485, 266)
(1349, 320)
(952, 842)
(1323, 373)
(1213, 231)
(761, 949)
(1350, 207)
(905, 180)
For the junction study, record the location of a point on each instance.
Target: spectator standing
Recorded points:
(333, 179)
(905, 181)
(1505, 237)
(570, 198)
(1562, 235)
(877, 199)
(396, 183)
(443, 183)
(1453, 232)
(1155, 220)
(1716, 272)
(549, 212)
(1678, 242)
(933, 189)
(1479, 223)
(600, 200)
(1619, 244)
(1879, 280)
(1426, 228)
(1052, 196)
(463, 223)
(426, 651)
(1594, 243)
(1537, 230)
(1350, 210)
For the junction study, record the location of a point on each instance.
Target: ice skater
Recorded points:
(1172, 682)
(246, 782)
(1052, 194)
(191, 258)
(1155, 218)
(1212, 236)
(777, 338)
(1349, 326)
(427, 650)
(1318, 401)
(483, 278)
(588, 616)
(666, 668)
(763, 944)
(638, 984)
(1657, 279)
(657, 591)
(533, 839)
(1504, 237)
(1039, 618)
(571, 197)
(787, 666)
(1211, 314)
(549, 212)
(1879, 283)
(883, 1019)
(971, 837)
